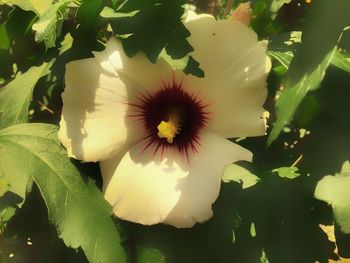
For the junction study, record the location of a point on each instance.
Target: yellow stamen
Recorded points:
(169, 129)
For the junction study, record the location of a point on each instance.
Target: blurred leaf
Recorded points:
(335, 191)
(76, 207)
(311, 59)
(49, 24)
(16, 96)
(4, 38)
(149, 255)
(193, 67)
(287, 172)
(263, 258)
(239, 175)
(37, 6)
(262, 19)
(252, 230)
(4, 186)
(341, 60)
(88, 11)
(277, 4)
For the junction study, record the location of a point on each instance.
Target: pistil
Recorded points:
(169, 129)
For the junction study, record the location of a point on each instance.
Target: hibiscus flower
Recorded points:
(160, 135)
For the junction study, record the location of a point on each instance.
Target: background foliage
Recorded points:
(291, 205)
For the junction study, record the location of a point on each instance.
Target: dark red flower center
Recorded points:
(175, 111)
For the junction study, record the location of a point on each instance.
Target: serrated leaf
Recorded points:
(75, 205)
(311, 59)
(335, 191)
(49, 24)
(287, 172)
(240, 175)
(37, 6)
(16, 96)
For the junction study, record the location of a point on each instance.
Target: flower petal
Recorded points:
(235, 74)
(149, 76)
(147, 189)
(93, 126)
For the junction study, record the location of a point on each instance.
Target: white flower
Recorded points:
(159, 134)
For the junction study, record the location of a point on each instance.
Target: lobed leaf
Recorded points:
(75, 205)
(37, 6)
(49, 24)
(16, 96)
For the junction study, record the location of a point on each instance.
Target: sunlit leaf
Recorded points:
(311, 59)
(37, 6)
(341, 60)
(240, 175)
(17, 95)
(263, 258)
(277, 4)
(335, 191)
(66, 44)
(49, 24)
(75, 205)
(4, 186)
(287, 172)
(108, 12)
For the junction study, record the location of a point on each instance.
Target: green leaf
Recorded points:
(5, 42)
(16, 96)
(108, 12)
(263, 258)
(284, 58)
(75, 205)
(88, 11)
(150, 255)
(341, 60)
(163, 15)
(239, 175)
(311, 59)
(4, 186)
(66, 43)
(49, 24)
(287, 172)
(37, 6)
(277, 4)
(335, 191)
